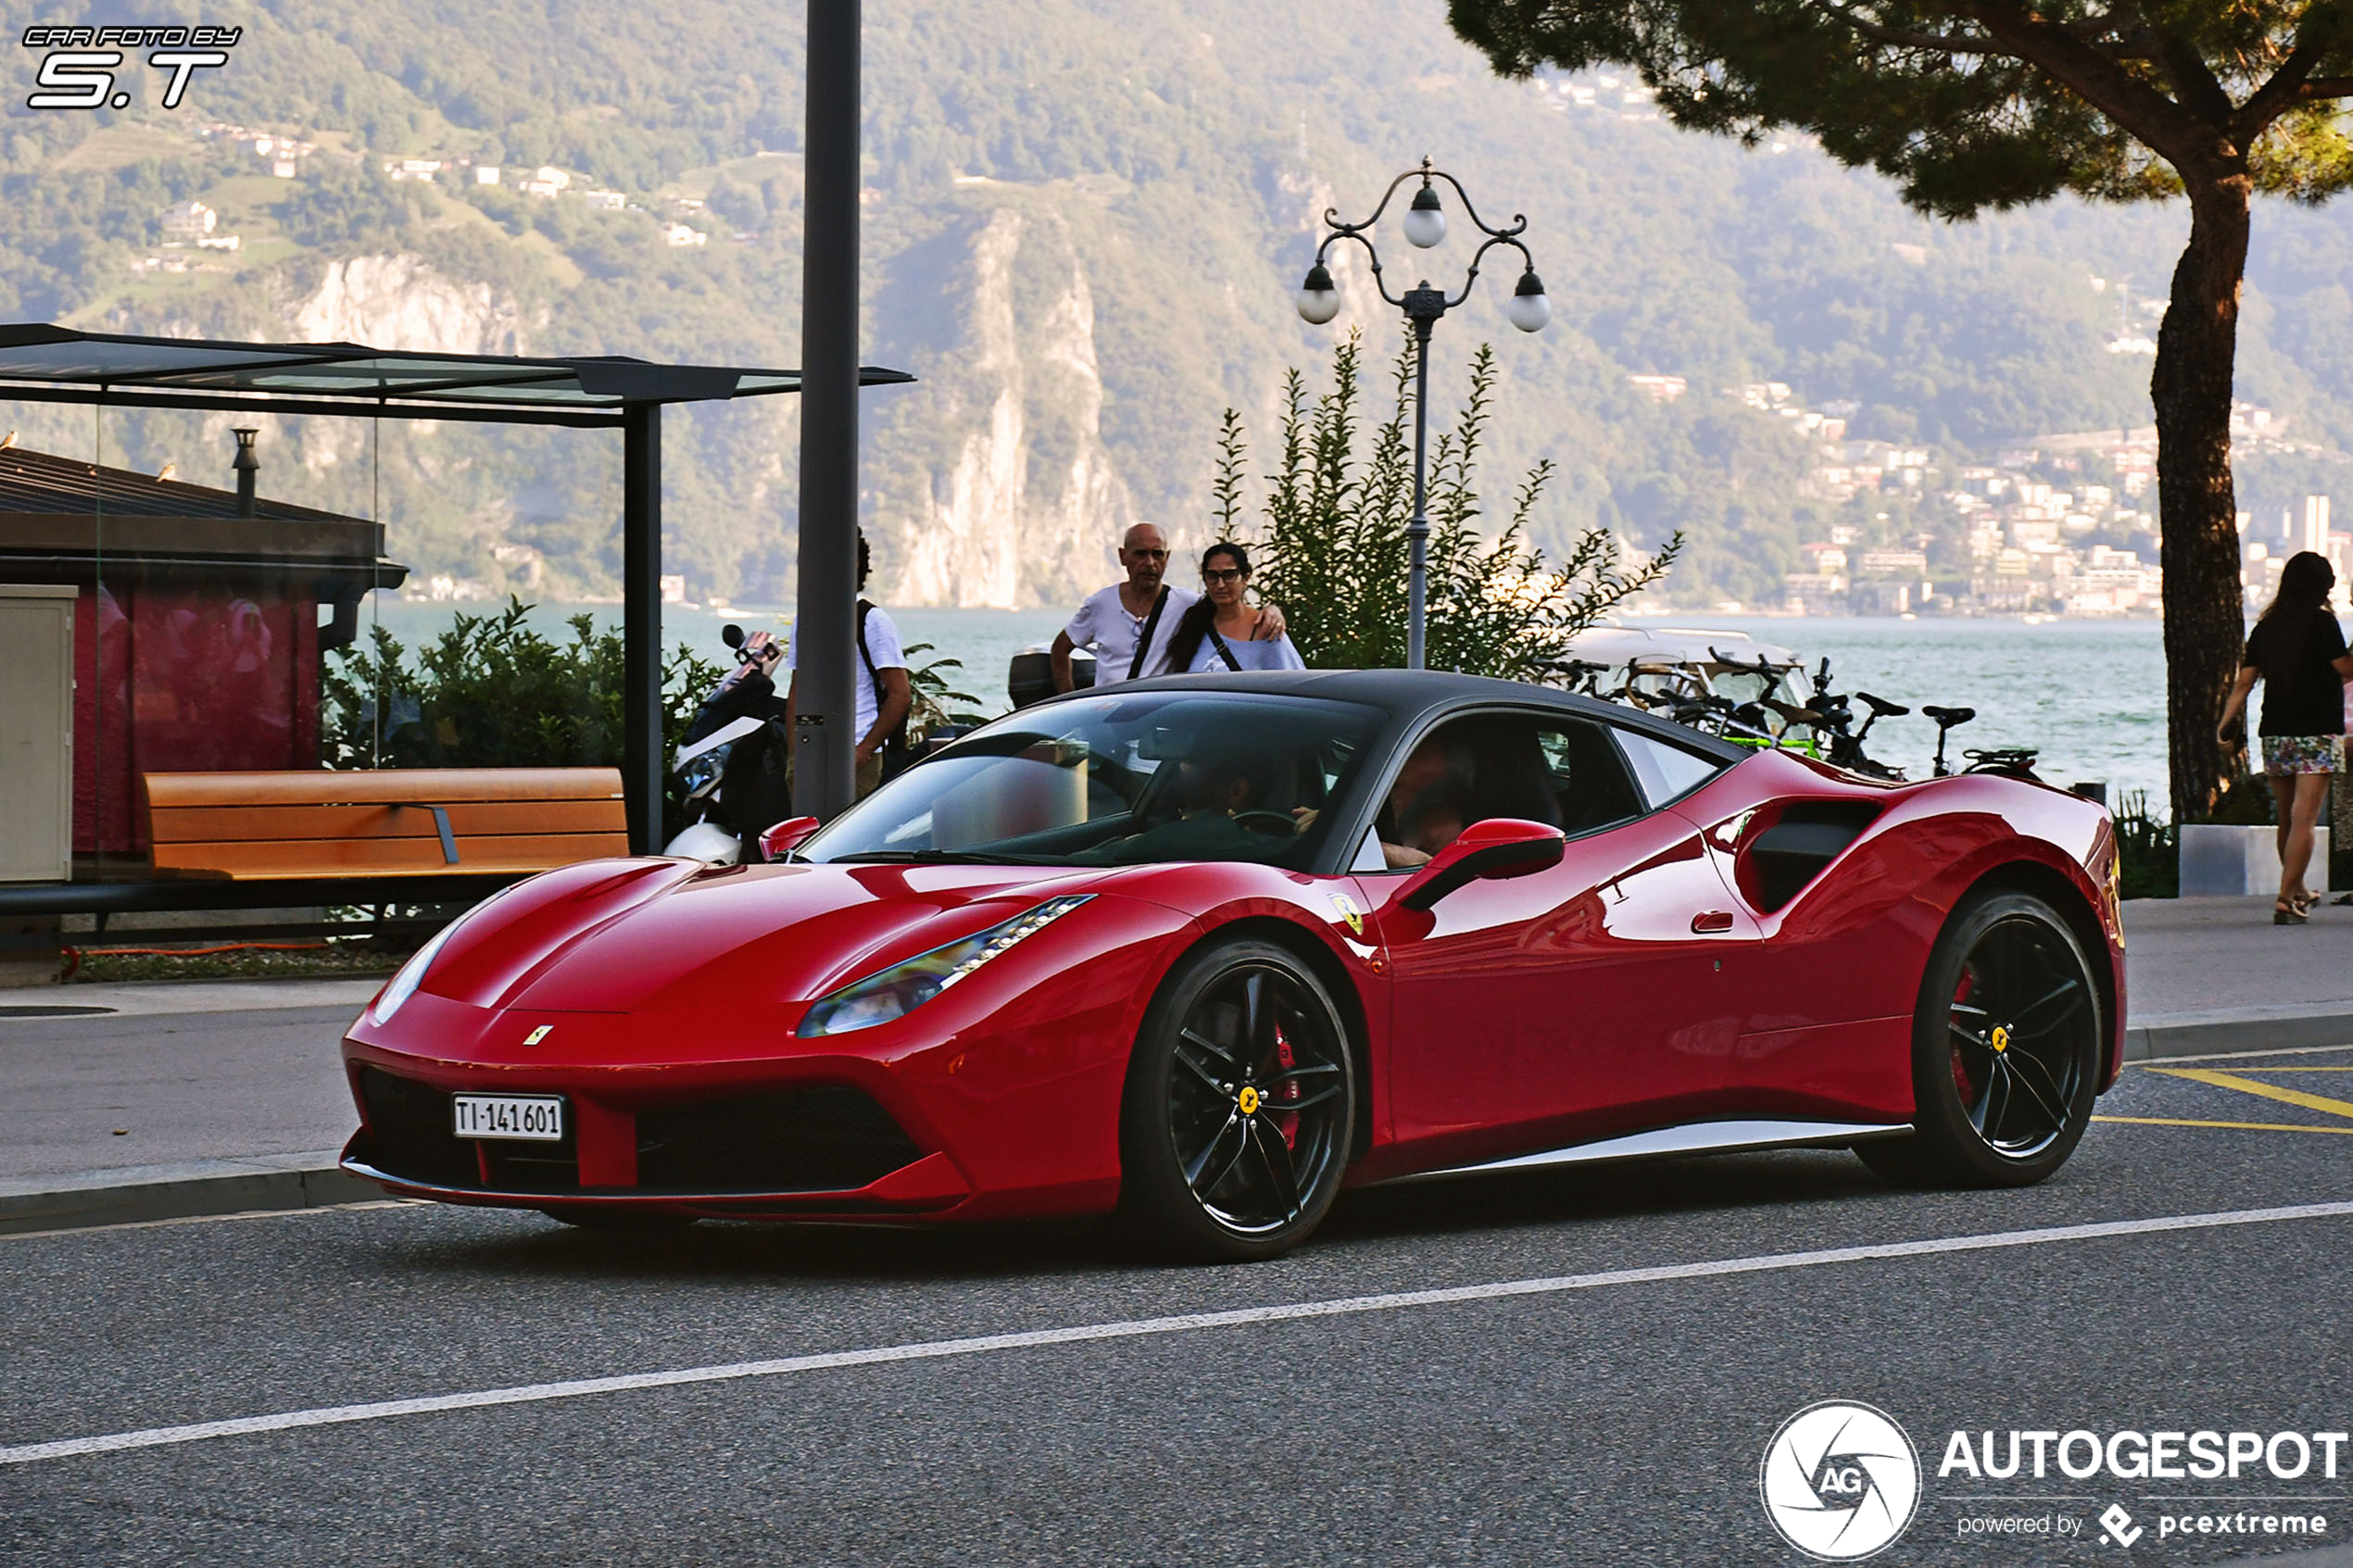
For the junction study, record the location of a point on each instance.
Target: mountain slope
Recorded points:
(1083, 223)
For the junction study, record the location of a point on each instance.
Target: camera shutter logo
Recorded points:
(1840, 1480)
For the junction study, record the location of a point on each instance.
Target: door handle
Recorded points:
(1711, 921)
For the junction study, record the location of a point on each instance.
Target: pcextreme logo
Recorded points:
(1840, 1480)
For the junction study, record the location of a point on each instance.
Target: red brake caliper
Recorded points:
(1961, 994)
(1286, 1123)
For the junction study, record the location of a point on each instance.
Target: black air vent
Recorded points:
(825, 1139)
(413, 1134)
(1809, 835)
(411, 1131)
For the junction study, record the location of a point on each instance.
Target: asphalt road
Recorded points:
(1611, 1421)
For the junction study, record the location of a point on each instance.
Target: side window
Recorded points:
(1561, 771)
(1666, 771)
(1590, 785)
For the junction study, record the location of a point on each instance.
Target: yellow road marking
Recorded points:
(2269, 1091)
(2294, 1070)
(2244, 1126)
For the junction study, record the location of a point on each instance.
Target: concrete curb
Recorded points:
(2165, 1037)
(88, 1198)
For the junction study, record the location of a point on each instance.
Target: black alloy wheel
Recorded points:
(2006, 1049)
(1239, 1104)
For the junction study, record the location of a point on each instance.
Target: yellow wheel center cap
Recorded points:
(1247, 1100)
(2001, 1038)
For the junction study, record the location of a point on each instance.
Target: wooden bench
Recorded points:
(409, 822)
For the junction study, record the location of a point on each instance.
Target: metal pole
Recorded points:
(1418, 531)
(826, 708)
(641, 746)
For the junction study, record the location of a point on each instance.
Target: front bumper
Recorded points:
(998, 1100)
(800, 1149)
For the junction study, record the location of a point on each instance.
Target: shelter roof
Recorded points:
(46, 363)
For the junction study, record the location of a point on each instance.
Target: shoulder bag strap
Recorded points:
(873, 674)
(1222, 651)
(1144, 638)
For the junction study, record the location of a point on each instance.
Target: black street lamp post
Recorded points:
(1424, 226)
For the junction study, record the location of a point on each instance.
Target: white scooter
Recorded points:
(734, 715)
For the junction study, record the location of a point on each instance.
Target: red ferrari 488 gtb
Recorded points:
(1207, 949)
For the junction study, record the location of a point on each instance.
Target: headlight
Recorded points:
(411, 974)
(903, 987)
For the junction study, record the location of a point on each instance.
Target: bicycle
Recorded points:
(1846, 739)
(2010, 761)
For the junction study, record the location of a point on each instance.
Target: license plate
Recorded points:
(534, 1118)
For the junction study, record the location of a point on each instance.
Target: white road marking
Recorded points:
(1185, 1322)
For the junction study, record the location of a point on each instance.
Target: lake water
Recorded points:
(2089, 695)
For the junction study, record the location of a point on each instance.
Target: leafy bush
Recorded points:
(491, 692)
(2148, 850)
(1335, 548)
(928, 685)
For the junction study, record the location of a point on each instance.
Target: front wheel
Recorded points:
(1239, 1103)
(2006, 1049)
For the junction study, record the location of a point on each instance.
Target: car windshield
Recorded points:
(1118, 781)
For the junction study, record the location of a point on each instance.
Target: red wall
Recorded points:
(184, 677)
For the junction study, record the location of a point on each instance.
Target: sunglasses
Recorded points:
(1231, 575)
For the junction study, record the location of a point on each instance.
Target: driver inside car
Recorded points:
(1211, 793)
(1424, 812)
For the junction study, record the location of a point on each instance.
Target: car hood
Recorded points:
(642, 940)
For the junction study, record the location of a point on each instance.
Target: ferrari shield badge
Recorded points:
(539, 1034)
(1346, 909)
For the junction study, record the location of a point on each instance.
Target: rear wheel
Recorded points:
(1239, 1103)
(2004, 1050)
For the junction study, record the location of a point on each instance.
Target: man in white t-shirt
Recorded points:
(884, 695)
(1140, 610)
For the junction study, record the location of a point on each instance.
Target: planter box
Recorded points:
(2234, 862)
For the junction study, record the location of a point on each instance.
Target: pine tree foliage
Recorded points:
(1333, 551)
(1972, 105)
(1976, 104)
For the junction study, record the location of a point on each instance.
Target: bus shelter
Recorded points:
(52, 364)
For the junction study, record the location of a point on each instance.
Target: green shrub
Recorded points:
(1333, 543)
(491, 692)
(2148, 850)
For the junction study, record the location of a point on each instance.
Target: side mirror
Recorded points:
(786, 837)
(1493, 849)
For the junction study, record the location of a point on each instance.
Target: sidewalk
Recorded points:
(230, 1095)
(227, 1096)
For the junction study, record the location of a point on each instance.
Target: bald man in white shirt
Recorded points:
(1127, 625)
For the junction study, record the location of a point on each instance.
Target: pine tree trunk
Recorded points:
(2205, 626)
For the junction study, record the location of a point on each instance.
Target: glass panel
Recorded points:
(1588, 779)
(1120, 781)
(94, 362)
(1666, 771)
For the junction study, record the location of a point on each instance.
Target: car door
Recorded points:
(1578, 1001)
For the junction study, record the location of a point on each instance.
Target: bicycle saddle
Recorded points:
(1881, 706)
(1948, 717)
(1794, 714)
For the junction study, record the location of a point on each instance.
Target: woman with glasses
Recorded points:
(1223, 630)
